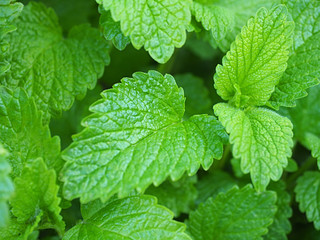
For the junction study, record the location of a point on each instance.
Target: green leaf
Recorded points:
(111, 30)
(306, 15)
(136, 137)
(73, 12)
(218, 20)
(313, 143)
(196, 93)
(292, 165)
(22, 132)
(308, 194)
(159, 26)
(241, 10)
(211, 184)
(305, 118)
(36, 194)
(261, 138)
(70, 122)
(9, 11)
(281, 225)
(52, 69)
(304, 63)
(256, 60)
(178, 196)
(20, 231)
(236, 167)
(6, 187)
(200, 45)
(237, 214)
(136, 217)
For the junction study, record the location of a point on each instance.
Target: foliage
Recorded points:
(159, 119)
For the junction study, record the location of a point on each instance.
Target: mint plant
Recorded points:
(151, 119)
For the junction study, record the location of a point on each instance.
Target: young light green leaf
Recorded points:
(136, 217)
(281, 226)
(159, 26)
(304, 63)
(111, 30)
(211, 184)
(308, 194)
(218, 20)
(256, 60)
(136, 137)
(237, 214)
(51, 68)
(261, 138)
(22, 132)
(6, 187)
(241, 10)
(9, 11)
(196, 93)
(36, 194)
(178, 196)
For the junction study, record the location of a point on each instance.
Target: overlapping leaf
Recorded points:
(36, 196)
(21, 231)
(281, 225)
(136, 217)
(218, 20)
(6, 187)
(178, 196)
(112, 30)
(136, 137)
(22, 132)
(308, 194)
(261, 138)
(304, 63)
(51, 68)
(212, 184)
(196, 93)
(9, 11)
(157, 25)
(241, 10)
(256, 60)
(237, 214)
(305, 118)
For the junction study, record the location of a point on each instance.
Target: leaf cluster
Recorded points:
(160, 119)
